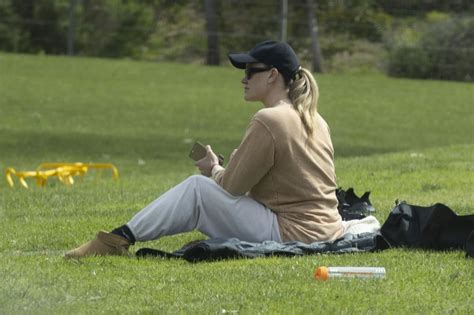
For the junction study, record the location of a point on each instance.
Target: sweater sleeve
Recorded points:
(253, 159)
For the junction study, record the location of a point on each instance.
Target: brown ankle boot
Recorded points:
(104, 244)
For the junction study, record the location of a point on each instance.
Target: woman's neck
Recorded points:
(277, 99)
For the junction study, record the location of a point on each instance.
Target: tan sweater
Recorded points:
(278, 167)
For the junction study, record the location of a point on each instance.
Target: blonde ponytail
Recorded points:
(304, 94)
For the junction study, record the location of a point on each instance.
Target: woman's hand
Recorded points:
(206, 164)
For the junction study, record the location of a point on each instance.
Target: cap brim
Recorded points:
(241, 60)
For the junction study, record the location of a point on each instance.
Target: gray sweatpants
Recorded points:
(200, 203)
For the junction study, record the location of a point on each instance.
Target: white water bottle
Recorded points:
(325, 273)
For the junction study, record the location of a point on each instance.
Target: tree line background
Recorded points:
(407, 38)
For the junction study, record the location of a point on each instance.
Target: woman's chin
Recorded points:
(248, 97)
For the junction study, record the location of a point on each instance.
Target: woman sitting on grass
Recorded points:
(279, 184)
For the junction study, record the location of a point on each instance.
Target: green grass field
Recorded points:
(401, 139)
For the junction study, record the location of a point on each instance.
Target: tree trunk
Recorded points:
(284, 20)
(72, 27)
(317, 57)
(212, 33)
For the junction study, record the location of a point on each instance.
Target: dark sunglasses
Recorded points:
(249, 72)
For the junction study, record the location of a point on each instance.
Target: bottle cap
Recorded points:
(321, 273)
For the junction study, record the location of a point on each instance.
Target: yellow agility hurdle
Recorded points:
(63, 171)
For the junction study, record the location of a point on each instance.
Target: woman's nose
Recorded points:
(244, 80)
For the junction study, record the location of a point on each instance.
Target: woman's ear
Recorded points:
(273, 76)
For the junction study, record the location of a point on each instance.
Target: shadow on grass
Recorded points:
(359, 150)
(15, 144)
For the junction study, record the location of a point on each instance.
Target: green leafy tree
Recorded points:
(179, 34)
(442, 51)
(35, 26)
(10, 34)
(112, 28)
(403, 8)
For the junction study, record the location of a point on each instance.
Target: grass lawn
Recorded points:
(401, 139)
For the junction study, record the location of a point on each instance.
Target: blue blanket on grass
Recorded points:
(218, 249)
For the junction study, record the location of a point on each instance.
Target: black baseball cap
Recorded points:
(272, 53)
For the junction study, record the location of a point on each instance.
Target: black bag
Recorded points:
(435, 227)
(352, 207)
(470, 246)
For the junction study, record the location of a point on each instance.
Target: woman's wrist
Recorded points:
(215, 169)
